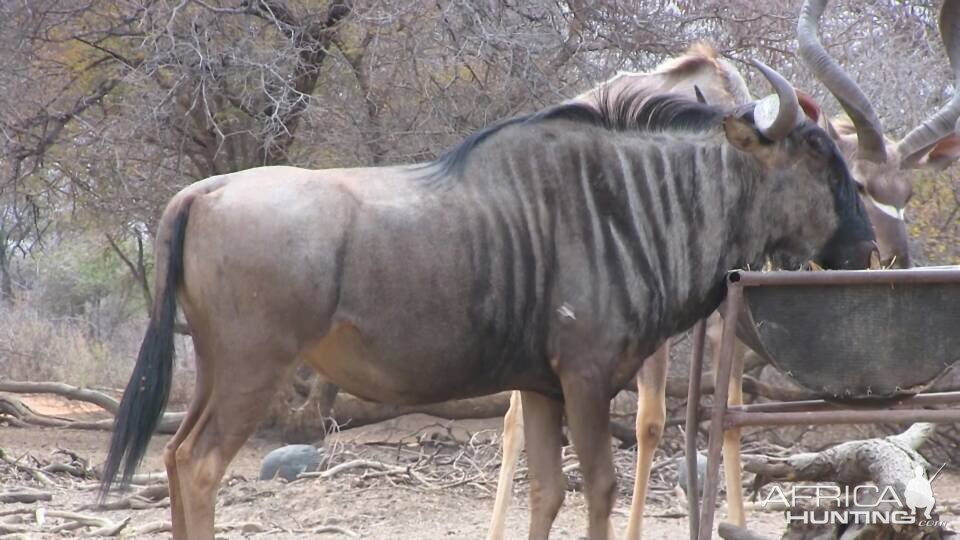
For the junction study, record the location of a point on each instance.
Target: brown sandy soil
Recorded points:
(389, 507)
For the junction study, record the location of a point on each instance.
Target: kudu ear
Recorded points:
(845, 137)
(942, 155)
(741, 134)
(809, 105)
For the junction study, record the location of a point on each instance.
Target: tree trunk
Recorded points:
(6, 283)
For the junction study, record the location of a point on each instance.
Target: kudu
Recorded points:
(575, 241)
(883, 167)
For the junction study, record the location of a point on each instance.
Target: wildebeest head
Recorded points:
(803, 166)
(882, 167)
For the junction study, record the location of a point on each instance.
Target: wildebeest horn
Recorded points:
(787, 107)
(915, 144)
(869, 130)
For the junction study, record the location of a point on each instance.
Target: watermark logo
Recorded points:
(829, 504)
(919, 494)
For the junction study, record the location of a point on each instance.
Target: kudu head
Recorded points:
(803, 169)
(881, 167)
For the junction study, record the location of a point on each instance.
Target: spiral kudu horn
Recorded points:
(943, 122)
(871, 145)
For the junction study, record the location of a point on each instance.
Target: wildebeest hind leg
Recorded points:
(242, 387)
(587, 401)
(543, 424)
(201, 394)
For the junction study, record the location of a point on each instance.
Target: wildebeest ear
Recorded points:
(942, 155)
(741, 134)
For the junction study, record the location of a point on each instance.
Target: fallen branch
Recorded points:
(17, 410)
(349, 411)
(245, 527)
(355, 464)
(76, 520)
(889, 461)
(148, 497)
(37, 474)
(331, 529)
(14, 528)
(13, 407)
(24, 496)
(109, 530)
(60, 389)
(154, 527)
(71, 522)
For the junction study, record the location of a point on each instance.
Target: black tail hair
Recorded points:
(146, 395)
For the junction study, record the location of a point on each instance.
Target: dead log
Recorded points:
(349, 411)
(889, 462)
(24, 496)
(309, 421)
(60, 389)
(13, 408)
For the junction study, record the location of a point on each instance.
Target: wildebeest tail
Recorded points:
(146, 394)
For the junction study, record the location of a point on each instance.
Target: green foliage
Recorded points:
(80, 273)
(934, 218)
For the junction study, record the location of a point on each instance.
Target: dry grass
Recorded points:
(38, 347)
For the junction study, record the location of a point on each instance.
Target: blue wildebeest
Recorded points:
(700, 74)
(550, 253)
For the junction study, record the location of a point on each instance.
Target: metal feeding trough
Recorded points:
(866, 341)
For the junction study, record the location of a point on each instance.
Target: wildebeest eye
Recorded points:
(860, 187)
(819, 145)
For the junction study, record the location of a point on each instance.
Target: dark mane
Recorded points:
(625, 112)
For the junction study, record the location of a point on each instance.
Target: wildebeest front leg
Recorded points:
(542, 426)
(651, 415)
(586, 393)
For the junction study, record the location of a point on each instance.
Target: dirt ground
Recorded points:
(449, 495)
